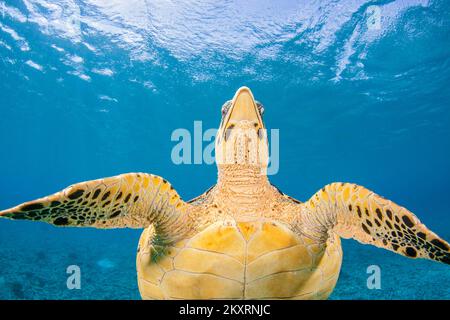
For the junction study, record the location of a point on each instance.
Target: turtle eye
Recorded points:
(260, 107)
(226, 107)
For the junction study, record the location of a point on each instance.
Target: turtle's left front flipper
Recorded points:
(355, 212)
(133, 200)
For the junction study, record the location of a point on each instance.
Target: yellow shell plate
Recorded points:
(239, 260)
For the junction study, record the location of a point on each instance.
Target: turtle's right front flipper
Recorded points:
(133, 200)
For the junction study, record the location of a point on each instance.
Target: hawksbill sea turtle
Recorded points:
(243, 238)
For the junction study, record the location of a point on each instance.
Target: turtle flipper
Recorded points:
(355, 212)
(133, 200)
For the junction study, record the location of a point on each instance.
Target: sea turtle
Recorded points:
(243, 238)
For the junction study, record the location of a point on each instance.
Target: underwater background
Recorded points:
(359, 91)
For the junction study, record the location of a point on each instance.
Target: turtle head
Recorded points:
(242, 137)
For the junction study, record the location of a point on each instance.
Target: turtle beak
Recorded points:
(242, 138)
(243, 108)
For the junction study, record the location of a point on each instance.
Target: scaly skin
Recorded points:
(355, 212)
(132, 200)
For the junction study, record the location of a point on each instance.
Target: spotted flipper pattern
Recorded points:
(355, 212)
(134, 200)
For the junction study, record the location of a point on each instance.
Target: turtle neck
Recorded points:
(244, 186)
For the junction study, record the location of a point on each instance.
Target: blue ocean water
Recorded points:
(359, 91)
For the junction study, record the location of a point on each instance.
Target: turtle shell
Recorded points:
(239, 260)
